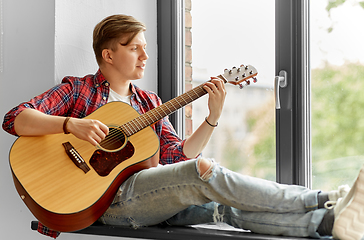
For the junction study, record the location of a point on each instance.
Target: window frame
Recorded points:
(171, 56)
(293, 120)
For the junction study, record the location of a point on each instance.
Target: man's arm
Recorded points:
(31, 122)
(198, 140)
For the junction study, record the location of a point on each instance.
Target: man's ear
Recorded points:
(107, 55)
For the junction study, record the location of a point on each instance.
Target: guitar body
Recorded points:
(61, 195)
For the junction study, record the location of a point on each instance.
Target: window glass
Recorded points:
(227, 34)
(337, 63)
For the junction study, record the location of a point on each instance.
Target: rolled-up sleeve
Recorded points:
(8, 123)
(171, 150)
(52, 102)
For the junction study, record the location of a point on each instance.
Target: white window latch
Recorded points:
(280, 81)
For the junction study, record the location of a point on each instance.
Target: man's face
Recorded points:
(130, 60)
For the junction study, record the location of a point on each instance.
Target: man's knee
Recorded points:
(205, 167)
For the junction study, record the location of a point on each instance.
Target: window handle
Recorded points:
(280, 81)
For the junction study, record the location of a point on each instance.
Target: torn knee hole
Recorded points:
(204, 167)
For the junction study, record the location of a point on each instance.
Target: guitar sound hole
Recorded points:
(114, 141)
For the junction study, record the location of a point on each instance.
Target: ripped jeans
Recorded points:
(178, 195)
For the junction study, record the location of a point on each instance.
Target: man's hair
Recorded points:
(111, 30)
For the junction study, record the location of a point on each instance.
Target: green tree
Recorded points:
(335, 3)
(337, 125)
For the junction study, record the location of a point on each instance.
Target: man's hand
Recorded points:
(217, 93)
(89, 130)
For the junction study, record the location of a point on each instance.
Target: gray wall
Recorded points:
(33, 60)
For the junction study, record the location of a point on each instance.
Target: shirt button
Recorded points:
(106, 84)
(97, 85)
(104, 98)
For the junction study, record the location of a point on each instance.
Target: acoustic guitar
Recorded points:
(68, 184)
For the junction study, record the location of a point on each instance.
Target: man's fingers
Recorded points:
(104, 128)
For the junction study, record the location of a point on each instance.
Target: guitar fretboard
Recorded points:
(162, 111)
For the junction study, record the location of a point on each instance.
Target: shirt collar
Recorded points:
(99, 79)
(134, 89)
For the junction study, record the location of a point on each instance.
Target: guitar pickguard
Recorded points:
(104, 162)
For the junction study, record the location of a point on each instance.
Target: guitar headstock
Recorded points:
(240, 76)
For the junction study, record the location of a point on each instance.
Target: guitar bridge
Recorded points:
(75, 157)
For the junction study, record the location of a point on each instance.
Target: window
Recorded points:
(337, 61)
(226, 34)
(307, 34)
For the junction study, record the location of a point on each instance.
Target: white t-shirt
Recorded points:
(113, 96)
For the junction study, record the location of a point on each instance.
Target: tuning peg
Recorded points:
(242, 65)
(243, 84)
(234, 67)
(246, 67)
(255, 79)
(244, 75)
(237, 79)
(228, 71)
(239, 69)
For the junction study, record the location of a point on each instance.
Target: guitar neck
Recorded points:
(236, 76)
(163, 110)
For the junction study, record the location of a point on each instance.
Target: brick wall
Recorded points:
(188, 65)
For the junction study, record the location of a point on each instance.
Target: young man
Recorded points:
(181, 189)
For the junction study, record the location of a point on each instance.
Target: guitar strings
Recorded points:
(117, 134)
(130, 128)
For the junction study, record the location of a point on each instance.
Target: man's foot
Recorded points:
(349, 212)
(340, 193)
(332, 196)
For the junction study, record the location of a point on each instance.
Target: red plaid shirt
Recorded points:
(79, 97)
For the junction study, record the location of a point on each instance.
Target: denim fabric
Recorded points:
(178, 195)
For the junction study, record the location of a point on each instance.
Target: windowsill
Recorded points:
(198, 232)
